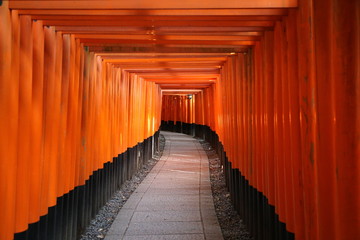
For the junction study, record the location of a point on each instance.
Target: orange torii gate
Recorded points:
(274, 85)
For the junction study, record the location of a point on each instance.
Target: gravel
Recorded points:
(101, 224)
(231, 224)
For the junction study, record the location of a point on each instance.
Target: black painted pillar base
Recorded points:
(253, 207)
(75, 209)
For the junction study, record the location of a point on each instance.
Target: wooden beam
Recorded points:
(183, 82)
(157, 24)
(168, 72)
(167, 37)
(161, 55)
(151, 4)
(168, 63)
(183, 90)
(154, 18)
(88, 41)
(188, 86)
(127, 30)
(103, 29)
(176, 84)
(102, 48)
(159, 12)
(161, 74)
(180, 79)
(211, 29)
(163, 59)
(208, 37)
(142, 66)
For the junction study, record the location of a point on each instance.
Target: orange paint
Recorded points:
(36, 121)
(9, 90)
(279, 86)
(24, 125)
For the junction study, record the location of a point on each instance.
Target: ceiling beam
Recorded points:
(165, 66)
(167, 37)
(165, 59)
(185, 87)
(88, 41)
(162, 55)
(155, 17)
(158, 24)
(180, 79)
(170, 72)
(209, 74)
(138, 30)
(111, 48)
(151, 4)
(158, 12)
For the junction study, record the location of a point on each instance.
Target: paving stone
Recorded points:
(167, 237)
(117, 229)
(125, 215)
(172, 216)
(172, 191)
(159, 228)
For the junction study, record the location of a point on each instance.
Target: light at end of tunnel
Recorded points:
(232, 53)
(181, 90)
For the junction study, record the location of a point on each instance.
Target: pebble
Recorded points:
(107, 214)
(231, 224)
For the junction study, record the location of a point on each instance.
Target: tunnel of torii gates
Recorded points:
(273, 85)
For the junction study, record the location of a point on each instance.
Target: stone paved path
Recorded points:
(174, 201)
